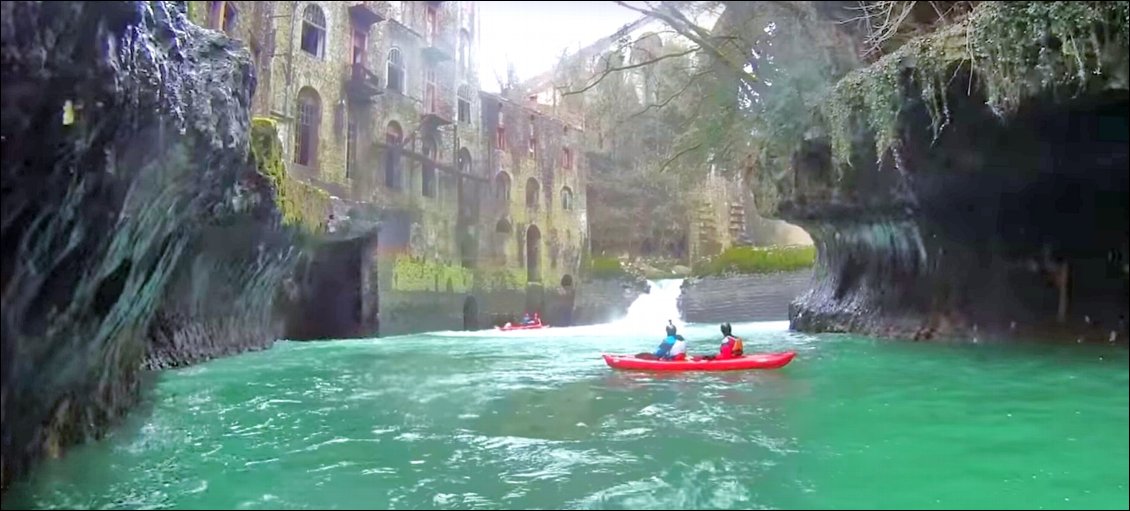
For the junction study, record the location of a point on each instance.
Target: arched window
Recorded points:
(503, 226)
(395, 70)
(566, 198)
(394, 137)
(502, 186)
(532, 189)
(306, 134)
(314, 31)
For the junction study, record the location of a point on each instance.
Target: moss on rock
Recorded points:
(1016, 50)
(751, 260)
(302, 205)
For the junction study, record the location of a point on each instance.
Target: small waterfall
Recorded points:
(661, 303)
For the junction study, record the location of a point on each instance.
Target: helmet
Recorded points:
(726, 329)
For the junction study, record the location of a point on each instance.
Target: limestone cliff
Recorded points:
(137, 229)
(973, 180)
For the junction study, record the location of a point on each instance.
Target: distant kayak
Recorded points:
(508, 327)
(757, 361)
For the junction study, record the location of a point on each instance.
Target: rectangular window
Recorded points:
(567, 159)
(307, 133)
(500, 138)
(230, 18)
(431, 27)
(428, 180)
(464, 111)
(351, 148)
(359, 40)
(430, 96)
(215, 15)
(533, 137)
(313, 38)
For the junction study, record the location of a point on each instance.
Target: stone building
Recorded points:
(378, 103)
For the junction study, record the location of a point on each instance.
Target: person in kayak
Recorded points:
(526, 319)
(731, 346)
(673, 347)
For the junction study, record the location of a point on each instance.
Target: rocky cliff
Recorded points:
(756, 297)
(603, 300)
(973, 180)
(137, 230)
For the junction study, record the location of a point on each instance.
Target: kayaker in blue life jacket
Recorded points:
(673, 346)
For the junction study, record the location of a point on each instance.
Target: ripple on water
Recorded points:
(491, 421)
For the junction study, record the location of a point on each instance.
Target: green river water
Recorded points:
(536, 420)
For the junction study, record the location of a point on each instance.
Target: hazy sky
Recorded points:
(533, 34)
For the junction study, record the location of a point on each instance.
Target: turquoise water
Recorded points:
(535, 419)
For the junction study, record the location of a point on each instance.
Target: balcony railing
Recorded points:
(438, 110)
(364, 85)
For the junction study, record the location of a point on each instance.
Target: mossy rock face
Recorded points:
(1008, 52)
(1017, 50)
(302, 205)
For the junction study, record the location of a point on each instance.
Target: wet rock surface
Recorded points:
(603, 300)
(137, 231)
(764, 297)
(1014, 228)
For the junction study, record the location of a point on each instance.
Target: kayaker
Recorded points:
(731, 346)
(672, 346)
(526, 319)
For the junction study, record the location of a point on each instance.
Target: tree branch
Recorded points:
(670, 98)
(698, 35)
(609, 70)
(677, 156)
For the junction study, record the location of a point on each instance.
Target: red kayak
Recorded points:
(758, 361)
(535, 326)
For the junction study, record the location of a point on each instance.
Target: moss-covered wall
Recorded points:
(426, 242)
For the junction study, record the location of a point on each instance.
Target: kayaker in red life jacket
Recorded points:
(731, 346)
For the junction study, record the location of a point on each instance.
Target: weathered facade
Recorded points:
(378, 103)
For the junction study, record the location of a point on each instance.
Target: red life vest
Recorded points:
(731, 347)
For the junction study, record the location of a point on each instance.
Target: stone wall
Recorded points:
(764, 297)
